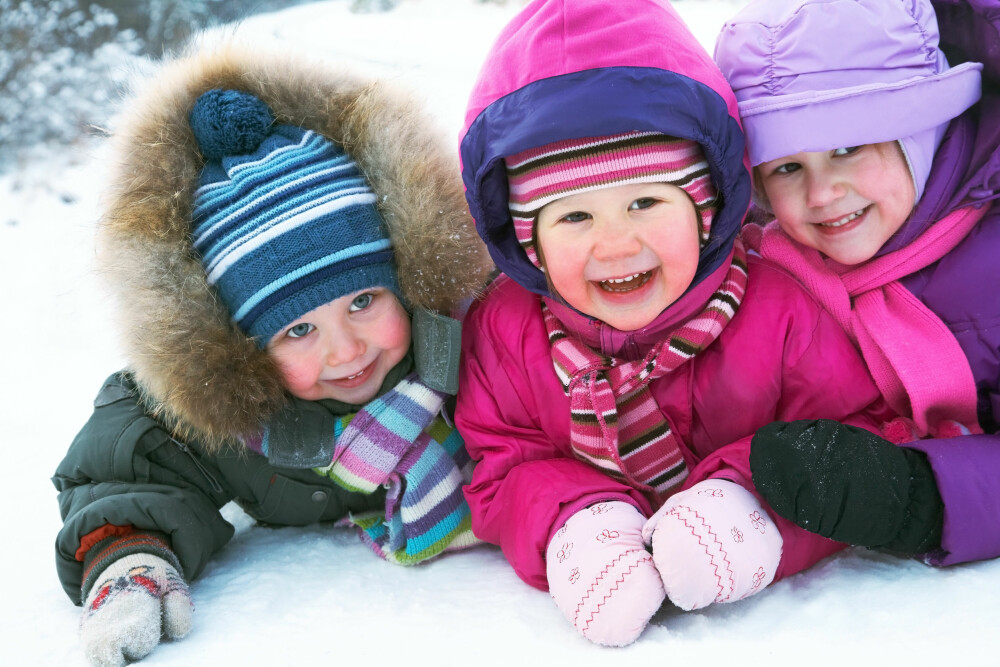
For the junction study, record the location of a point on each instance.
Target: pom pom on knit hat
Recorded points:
(539, 176)
(229, 122)
(283, 221)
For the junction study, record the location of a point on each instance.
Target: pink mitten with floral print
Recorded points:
(601, 575)
(713, 543)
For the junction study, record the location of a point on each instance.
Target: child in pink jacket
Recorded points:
(619, 370)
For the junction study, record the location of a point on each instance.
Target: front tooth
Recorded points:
(847, 218)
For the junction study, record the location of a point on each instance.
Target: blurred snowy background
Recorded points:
(280, 596)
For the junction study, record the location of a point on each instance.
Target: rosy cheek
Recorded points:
(297, 377)
(401, 337)
(294, 383)
(397, 330)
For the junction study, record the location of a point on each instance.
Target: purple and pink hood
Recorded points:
(567, 69)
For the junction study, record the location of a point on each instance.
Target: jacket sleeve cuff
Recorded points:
(112, 548)
(965, 471)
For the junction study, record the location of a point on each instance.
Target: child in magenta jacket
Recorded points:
(603, 163)
(880, 158)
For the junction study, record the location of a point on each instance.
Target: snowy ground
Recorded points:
(278, 596)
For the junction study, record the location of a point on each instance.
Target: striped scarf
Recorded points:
(398, 441)
(616, 424)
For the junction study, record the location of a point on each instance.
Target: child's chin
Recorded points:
(634, 320)
(323, 391)
(355, 395)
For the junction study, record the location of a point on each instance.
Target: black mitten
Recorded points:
(847, 484)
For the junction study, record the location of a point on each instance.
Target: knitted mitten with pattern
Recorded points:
(600, 574)
(132, 601)
(713, 543)
(847, 484)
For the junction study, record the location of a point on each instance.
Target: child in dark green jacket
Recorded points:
(286, 244)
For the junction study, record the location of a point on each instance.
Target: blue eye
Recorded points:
(300, 330)
(641, 203)
(361, 301)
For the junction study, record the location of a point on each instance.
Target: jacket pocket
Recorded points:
(284, 501)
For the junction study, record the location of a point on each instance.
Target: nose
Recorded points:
(823, 188)
(615, 238)
(343, 346)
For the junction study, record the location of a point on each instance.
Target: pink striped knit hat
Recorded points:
(542, 175)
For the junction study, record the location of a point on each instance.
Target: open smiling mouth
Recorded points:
(626, 284)
(351, 380)
(846, 219)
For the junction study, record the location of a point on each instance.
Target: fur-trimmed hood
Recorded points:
(200, 373)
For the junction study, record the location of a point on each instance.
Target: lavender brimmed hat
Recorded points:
(813, 75)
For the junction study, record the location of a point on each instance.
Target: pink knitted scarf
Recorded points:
(616, 424)
(914, 359)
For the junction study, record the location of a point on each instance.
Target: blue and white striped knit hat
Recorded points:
(284, 221)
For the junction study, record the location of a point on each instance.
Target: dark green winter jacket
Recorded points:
(209, 385)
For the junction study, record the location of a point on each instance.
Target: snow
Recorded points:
(277, 596)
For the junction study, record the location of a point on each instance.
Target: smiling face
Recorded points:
(344, 349)
(846, 203)
(621, 254)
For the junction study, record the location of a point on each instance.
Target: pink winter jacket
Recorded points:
(565, 69)
(781, 358)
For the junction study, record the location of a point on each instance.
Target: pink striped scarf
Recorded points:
(914, 359)
(616, 424)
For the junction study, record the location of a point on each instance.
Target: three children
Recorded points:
(612, 382)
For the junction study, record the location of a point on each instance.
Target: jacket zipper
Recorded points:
(199, 465)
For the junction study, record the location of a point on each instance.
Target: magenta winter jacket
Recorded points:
(576, 68)
(781, 358)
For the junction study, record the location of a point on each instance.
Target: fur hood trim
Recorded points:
(200, 373)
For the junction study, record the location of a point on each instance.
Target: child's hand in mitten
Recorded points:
(600, 574)
(135, 600)
(713, 543)
(847, 484)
